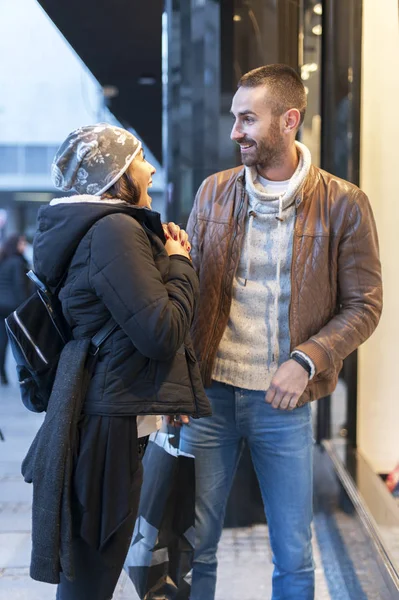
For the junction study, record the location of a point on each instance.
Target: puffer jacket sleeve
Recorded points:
(156, 315)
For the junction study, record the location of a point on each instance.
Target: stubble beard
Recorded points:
(269, 152)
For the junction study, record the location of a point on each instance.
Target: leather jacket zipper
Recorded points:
(293, 257)
(232, 240)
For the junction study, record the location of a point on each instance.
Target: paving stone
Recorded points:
(15, 549)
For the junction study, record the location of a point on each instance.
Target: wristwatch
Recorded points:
(301, 361)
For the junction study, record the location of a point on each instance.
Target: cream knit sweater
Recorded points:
(257, 339)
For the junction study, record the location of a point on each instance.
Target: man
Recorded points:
(287, 256)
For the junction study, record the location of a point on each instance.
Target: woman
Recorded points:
(120, 263)
(14, 289)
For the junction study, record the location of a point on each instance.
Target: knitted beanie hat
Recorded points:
(93, 158)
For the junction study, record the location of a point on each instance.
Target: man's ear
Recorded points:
(291, 120)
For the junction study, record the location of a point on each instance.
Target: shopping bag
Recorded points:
(159, 561)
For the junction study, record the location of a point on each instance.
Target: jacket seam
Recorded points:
(326, 350)
(100, 269)
(91, 260)
(132, 315)
(107, 367)
(354, 242)
(210, 220)
(316, 235)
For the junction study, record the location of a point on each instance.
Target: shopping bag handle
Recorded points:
(167, 436)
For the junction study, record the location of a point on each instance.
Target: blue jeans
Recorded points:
(281, 445)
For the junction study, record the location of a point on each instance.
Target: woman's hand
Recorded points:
(176, 240)
(177, 420)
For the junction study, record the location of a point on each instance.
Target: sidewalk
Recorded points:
(245, 565)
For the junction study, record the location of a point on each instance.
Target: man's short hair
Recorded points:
(284, 84)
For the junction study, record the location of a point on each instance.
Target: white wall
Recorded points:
(378, 422)
(46, 90)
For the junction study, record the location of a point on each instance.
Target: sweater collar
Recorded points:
(259, 197)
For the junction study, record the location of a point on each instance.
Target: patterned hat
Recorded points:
(93, 158)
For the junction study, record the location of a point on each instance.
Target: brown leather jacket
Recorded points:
(336, 290)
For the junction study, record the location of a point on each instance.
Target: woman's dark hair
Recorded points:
(125, 189)
(10, 246)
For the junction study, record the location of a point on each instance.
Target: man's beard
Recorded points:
(268, 152)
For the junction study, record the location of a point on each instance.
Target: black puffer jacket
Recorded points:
(117, 265)
(14, 285)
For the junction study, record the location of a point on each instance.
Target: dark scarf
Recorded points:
(48, 465)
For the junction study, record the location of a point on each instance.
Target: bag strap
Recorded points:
(42, 286)
(38, 283)
(102, 335)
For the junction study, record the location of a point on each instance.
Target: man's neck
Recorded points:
(283, 171)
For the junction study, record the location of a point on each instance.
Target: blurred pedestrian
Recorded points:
(14, 288)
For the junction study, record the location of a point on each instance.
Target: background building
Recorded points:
(46, 92)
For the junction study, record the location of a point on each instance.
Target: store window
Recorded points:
(310, 36)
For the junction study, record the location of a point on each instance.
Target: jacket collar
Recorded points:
(307, 188)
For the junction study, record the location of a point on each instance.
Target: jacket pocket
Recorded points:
(174, 372)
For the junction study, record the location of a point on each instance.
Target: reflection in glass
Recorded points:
(310, 35)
